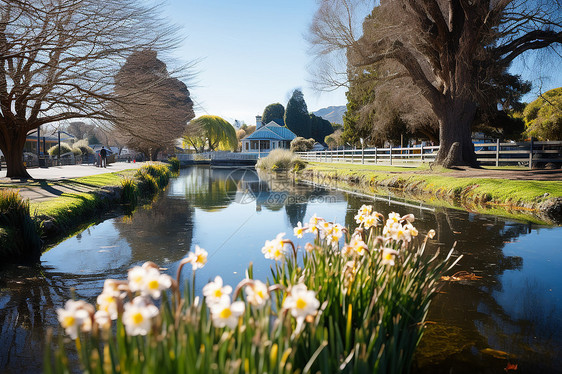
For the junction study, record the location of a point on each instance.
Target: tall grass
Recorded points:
(20, 234)
(280, 159)
(350, 301)
(174, 164)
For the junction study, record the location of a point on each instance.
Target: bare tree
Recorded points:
(455, 53)
(58, 59)
(151, 108)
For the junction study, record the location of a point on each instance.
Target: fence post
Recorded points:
(421, 154)
(352, 154)
(531, 154)
(362, 154)
(375, 155)
(497, 152)
(390, 154)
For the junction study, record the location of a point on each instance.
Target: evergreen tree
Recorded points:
(296, 115)
(274, 112)
(320, 128)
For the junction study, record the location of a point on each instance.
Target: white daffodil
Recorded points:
(409, 218)
(299, 230)
(137, 278)
(366, 209)
(431, 234)
(214, 291)
(370, 221)
(103, 319)
(75, 316)
(226, 314)
(198, 259)
(394, 217)
(138, 316)
(309, 247)
(274, 249)
(108, 302)
(257, 293)
(356, 246)
(314, 220)
(301, 302)
(155, 283)
(388, 255)
(412, 230)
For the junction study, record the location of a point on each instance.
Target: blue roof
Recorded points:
(272, 131)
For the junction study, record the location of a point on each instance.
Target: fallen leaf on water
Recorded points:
(510, 367)
(496, 353)
(459, 276)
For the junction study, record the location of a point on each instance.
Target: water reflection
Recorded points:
(513, 308)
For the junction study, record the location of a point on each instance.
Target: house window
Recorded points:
(247, 146)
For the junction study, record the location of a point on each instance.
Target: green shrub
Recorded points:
(300, 144)
(279, 159)
(82, 147)
(64, 148)
(20, 237)
(148, 186)
(161, 173)
(174, 164)
(130, 191)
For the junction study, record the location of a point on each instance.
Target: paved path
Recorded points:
(44, 184)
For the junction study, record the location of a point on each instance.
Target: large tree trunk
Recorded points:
(13, 152)
(455, 125)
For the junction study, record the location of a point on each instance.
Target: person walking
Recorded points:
(103, 156)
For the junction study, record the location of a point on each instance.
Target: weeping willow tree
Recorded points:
(211, 132)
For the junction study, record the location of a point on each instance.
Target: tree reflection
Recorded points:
(161, 232)
(471, 320)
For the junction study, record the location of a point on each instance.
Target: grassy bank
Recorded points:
(513, 198)
(76, 202)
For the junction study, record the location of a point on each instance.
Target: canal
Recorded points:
(508, 312)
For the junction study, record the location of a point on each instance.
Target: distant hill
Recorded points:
(333, 114)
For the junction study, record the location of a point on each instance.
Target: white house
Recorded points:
(267, 138)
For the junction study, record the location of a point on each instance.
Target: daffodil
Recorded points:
(198, 259)
(75, 316)
(356, 246)
(274, 249)
(431, 234)
(138, 316)
(226, 314)
(301, 302)
(257, 293)
(155, 283)
(108, 302)
(388, 255)
(394, 217)
(137, 278)
(214, 291)
(103, 319)
(299, 230)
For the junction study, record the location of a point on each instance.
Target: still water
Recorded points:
(511, 315)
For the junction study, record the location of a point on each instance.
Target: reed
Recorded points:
(280, 159)
(20, 234)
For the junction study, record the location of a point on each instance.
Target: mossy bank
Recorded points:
(77, 202)
(536, 200)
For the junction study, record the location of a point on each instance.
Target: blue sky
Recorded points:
(252, 53)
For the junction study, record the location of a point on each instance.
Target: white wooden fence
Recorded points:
(495, 153)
